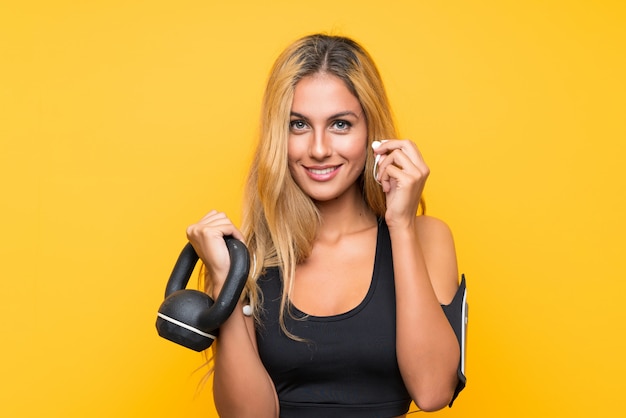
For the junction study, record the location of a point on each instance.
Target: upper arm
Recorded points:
(250, 327)
(440, 256)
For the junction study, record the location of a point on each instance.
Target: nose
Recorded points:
(321, 145)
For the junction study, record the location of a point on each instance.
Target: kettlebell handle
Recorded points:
(233, 285)
(190, 317)
(187, 260)
(183, 268)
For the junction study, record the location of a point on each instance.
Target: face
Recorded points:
(327, 139)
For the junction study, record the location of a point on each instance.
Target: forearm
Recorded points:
(241, 386)
(427, 349)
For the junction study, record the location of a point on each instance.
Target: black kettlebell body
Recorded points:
(191, 318)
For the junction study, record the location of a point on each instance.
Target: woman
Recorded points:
(342, 325)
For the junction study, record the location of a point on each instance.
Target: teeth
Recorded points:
(322, 171)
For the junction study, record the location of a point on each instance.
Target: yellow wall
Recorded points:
(123, 121)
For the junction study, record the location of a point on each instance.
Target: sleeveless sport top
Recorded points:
(346, 366)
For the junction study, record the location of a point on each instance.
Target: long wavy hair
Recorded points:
(279, 220)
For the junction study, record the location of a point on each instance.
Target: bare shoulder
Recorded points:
(437, 245)
(434, 234)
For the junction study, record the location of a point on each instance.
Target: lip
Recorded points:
(322, 173)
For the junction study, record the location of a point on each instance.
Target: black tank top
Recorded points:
(346, 366)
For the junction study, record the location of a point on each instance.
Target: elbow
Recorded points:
(432, 406)
(431, 400)
(240, 412)
(245, 405)
(433, 403)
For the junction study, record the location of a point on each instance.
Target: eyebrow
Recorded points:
(335, 116)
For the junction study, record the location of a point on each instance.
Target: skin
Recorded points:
(326, 155)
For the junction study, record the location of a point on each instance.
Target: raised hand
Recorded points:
(402, 174)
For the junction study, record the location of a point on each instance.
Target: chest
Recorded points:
(335, 278)
(353, 345)
(346, 353)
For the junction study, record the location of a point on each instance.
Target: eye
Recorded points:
(297, 125)
(341, 125)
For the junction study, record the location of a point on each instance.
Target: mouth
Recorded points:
(322, 173)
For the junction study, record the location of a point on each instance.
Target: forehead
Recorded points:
(323, 93)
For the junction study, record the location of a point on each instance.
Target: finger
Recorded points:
(413, 165)
(400, 172)
(214, 223)
(396, 158)
(213, 216)
(405, 145)
(392, 177)
(404, 154)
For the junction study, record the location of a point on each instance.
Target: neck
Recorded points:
(345, 215)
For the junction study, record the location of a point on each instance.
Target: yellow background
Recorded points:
(123, 121)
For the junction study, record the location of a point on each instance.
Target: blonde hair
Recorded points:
(279, 220)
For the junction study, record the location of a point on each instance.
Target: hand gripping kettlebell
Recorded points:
(190, 317)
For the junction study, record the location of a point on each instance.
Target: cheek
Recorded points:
(294, 154)
(293, 151)
(362, 157)
(357, 150)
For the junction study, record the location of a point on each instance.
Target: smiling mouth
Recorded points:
(321, 171)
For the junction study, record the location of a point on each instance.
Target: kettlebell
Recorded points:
(190, 317)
